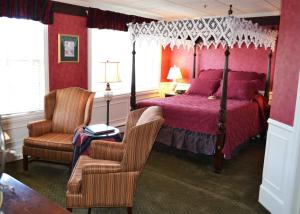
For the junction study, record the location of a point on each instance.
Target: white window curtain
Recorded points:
(115, 46)
(22, 65)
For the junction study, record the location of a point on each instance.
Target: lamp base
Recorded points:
(174, 85)
(108, 87)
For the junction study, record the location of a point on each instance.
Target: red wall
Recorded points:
(241, 59)
(287, 63)
(63, 75)
(180, 57)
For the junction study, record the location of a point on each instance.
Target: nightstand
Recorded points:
(170, 94)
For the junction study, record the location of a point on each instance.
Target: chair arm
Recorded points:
(107, 150)
(39, 128)
(98, 168)
(78, 127)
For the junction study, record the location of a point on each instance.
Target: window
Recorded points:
(115, 46)
(22, 65)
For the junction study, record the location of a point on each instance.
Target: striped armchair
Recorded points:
(108, 177)
(51, 138)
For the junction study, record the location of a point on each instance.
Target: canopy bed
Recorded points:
(227, 32)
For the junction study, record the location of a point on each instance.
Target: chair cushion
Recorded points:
(69, 109)
(150, 114)
(76, 177)
(53, 141)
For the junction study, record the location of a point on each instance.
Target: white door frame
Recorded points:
(295, 200)
(280, 188)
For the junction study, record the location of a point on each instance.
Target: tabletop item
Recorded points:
(99, 129)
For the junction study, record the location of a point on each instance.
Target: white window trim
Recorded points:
(89, 66)
(46, 60)
(89, 51)
(46, 64)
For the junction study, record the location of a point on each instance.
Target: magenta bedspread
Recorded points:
(199, 114)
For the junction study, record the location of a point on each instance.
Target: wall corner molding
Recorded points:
(280, 188)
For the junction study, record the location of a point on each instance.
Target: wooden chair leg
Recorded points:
(25, 162)
(129, 210)
(89, 210)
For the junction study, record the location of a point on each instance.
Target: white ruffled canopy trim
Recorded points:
(212, 31)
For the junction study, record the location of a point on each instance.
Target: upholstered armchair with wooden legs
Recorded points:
(108, 177)
(51, 138)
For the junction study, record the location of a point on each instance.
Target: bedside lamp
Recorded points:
(109, 73)
(174, 74)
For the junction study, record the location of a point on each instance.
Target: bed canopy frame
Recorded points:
(227, 32)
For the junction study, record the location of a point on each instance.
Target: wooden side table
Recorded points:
(26, 200)
(84, 137)
(170, 94)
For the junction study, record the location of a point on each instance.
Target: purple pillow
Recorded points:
(240, 90)
(203, 87)
(210, 74)
(240, 75)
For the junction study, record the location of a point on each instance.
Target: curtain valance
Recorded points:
(37, 10)
(205, 31)
(111, 20)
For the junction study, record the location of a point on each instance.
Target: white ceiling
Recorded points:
(184, 9)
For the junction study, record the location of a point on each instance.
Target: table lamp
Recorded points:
(174, 74)
(109, 73)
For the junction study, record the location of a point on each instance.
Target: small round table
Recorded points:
(83, 138)
(102, 131)
(114, 134)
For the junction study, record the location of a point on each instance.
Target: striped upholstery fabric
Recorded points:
(55, 141)
(72, 100)
(48, 154)
(107, 150)
(108, 178)
(51, 138)
(39, 128)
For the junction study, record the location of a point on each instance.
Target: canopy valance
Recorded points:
(205, 32)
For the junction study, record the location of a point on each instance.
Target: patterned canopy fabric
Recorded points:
(206, 32)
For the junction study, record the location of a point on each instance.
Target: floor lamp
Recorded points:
(109, 73)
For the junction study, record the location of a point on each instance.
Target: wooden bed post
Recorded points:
(267, 88)
(133, 94)
(218, 158)
(194, 64)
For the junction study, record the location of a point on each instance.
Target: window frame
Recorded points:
(122, 94)
(46, 75)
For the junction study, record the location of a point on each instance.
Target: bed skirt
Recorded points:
(195, 142)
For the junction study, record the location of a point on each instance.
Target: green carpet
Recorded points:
(171, 183)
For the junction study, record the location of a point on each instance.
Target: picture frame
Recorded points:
(68, 48)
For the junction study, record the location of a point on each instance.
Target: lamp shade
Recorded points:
(174, 73)
(109, 72)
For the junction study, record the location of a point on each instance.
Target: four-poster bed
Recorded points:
(227, 32)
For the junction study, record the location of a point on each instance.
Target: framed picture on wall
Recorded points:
(68, 48)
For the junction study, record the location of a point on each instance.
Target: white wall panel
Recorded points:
(272, 190)
(280, 188)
